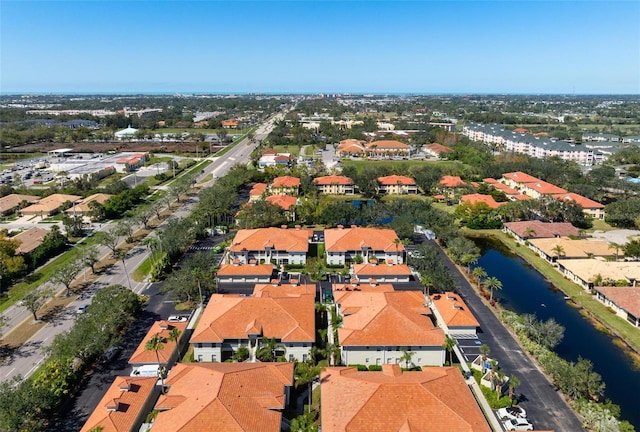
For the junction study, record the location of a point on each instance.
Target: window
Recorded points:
(378, 362)
(366, 360)
(199, 357)
(213, 357)
(304, 357)
(290, 357)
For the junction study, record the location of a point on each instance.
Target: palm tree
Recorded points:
(513, 383)
(407, 357)
(305, 373)
(267, 352)
(156, 343)
(529, 232)
(479, 273)
(558, 250)
(491, 283)
(449, 343)
(427, 281)
(499, 378)
(484, 351)
(617, 247)
(468, 260)
(332, 352)
(397, 242)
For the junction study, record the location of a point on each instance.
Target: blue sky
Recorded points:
(423, 46)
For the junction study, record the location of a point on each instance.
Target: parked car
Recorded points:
(517, 424)
(110, 354)
(82, 308)
(177, 318)
(511, 413)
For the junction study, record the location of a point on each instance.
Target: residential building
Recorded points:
(375, 273)
(258, 192)
(396, 185)
(246, 397)
(436, 399)
(82, 207)
(548, 248)
(9, 203)
(345, 245)
(271, 245)
(229, 124)
(437, 150)
(479, 198)
(378, 326)
(30, 239)
(231, 321)
(287, 203)
(589, 273)
(449, 181)
(540, 188)
(386, 148)
(518, 179)
(270, 158)
(285, 185)
(525, 230)
(591, 136)
(125, 405)
(50, 205)
(590, 207)
(625, 302)
(243, 273)
(351, 147)
(170, 351)
(335, 185)
(456, 314)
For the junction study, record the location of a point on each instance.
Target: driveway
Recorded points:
(545, 407)
(620, 237)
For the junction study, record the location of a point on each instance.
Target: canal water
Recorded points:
(526, 291)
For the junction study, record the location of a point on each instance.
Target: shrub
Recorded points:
(360, 367)
(375, 368)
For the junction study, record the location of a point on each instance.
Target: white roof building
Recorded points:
(126, 133)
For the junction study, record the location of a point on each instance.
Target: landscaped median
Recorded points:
(605, 319)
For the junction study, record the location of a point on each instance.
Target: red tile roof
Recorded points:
(162, 328)
(341, 288)
(381, 270)
(542, 229)
(292, 240)
(283, 290)
(353, 239)
(452, 181)
(396, 179)
(245, 270)
(285, 182)
(520, 177)
(504, 188)
(125, 399)
(454, 310)
(243, 397)
(439, 148)
(333, 180)
(228, 316)
(396, 318)
(545, 188)
(436, 399)
(387, 145)
(479, 198)
(284, 201)
(627, 298)
(490, 181)
(579, 199)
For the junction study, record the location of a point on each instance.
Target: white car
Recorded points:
(511, 413)
(82, 308)
(177, 318)
(517, 424)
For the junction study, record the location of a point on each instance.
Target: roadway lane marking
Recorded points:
(34, 368)
(10, 372)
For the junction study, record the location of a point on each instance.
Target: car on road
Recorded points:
(110, 354)
(511, 413)
(82, 308)
(177, 318)
(517, 424)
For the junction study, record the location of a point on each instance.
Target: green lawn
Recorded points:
(142, 271)
(600, 225)
(621, 327)
(294, 150)
(230, 132)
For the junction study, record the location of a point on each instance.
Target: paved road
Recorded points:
(25, 359)
(545, 408)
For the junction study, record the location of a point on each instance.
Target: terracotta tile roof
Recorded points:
(479, 198)
(521, 197)
(243, 397)
(258, 189)
(30, 239)
(436, 399)
(283, 290)
(83, 205)
(520, 177)
(452, 181)
(351, 146)
(12, 201)
(574, 248)
(283, 157)
(396, 179)
(490, 181)
(381, 270)
(50, 203)
(245, 270)
(506, 189)
(439, 148)
(542, 229)
(545, 188)
(340, 290)
(627, 298)
(352, 239)
(583, 201)
(521, 130)
(454, 310)
(292, 240)
(387, 145)
(284, 201)
(389, 318)
(285, 182)
(333, 180)
(129, 395)
(141, 356)
(227, 316)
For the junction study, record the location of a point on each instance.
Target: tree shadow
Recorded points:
(51, 314)
(33, 277)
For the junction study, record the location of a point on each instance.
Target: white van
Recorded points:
(146, 371)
